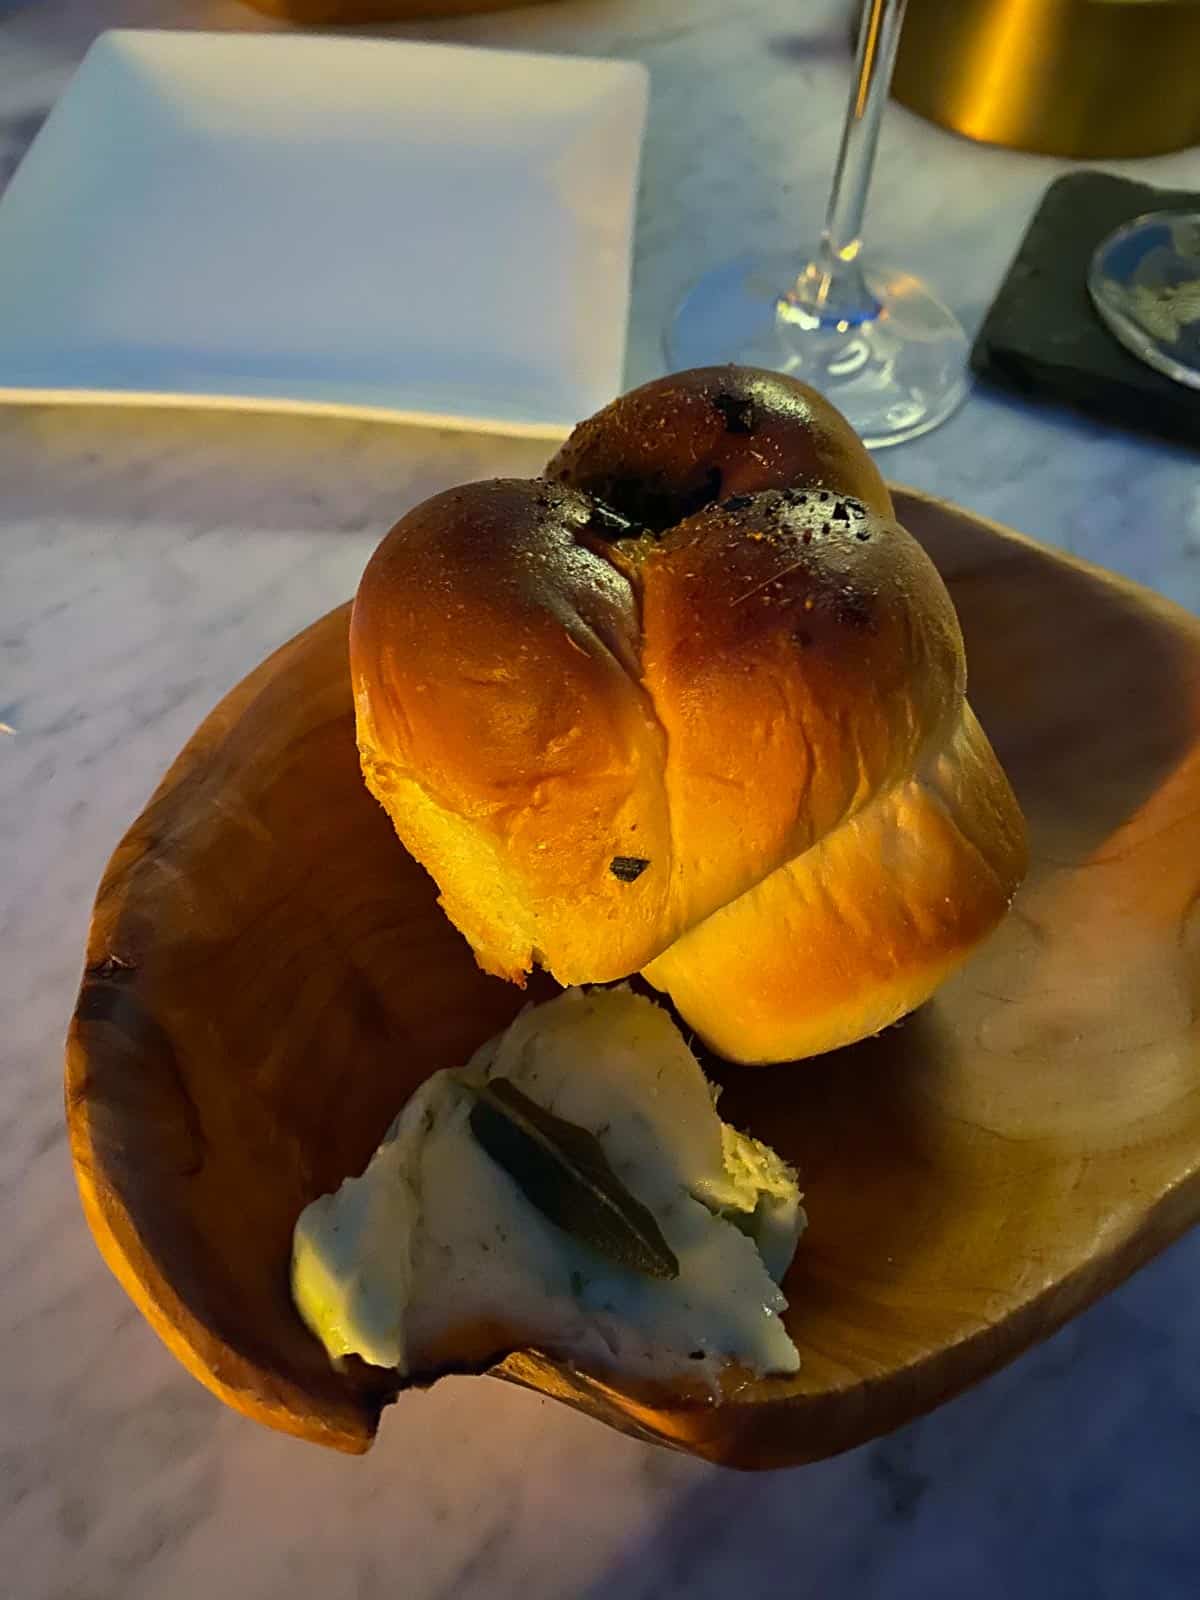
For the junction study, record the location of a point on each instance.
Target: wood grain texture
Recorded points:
(268, 977)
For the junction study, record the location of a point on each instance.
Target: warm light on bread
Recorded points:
(693, 703)
(861, 929)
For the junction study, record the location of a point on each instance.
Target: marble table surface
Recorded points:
(147, 561)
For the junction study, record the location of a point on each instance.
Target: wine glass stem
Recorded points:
(832, 288)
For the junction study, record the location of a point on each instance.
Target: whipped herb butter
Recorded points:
(437, 1256)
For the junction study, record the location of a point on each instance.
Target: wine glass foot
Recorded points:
(1144, 281)
(893, 376)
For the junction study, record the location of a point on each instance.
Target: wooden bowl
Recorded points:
(268, 978)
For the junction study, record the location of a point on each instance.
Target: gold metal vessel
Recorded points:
(1085, 78)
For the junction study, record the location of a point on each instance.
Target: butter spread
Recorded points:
(434, 1257)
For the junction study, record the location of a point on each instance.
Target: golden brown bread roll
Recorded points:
(603, 706)
(861, 929)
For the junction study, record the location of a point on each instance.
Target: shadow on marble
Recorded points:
(16, 135)
(806, 48)
(1070, 1475)
(246, 470)
(1078, 426)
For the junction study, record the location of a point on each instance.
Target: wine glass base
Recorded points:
(893, 377)
(1144, 281)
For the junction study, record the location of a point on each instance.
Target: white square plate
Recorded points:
(298, 222)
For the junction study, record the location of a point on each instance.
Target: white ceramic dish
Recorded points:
(417, 231)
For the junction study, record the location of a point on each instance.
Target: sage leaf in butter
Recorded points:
(562, 1170)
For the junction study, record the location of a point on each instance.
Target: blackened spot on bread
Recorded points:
(628, 868)
(653, 503)
(855, 610)
(737, 414)
(610, 524)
